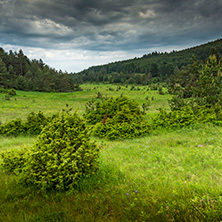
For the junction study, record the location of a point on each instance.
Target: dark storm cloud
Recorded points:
(108, 25)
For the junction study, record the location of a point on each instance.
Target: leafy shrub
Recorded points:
(33, 125)
(9, 92)
(12, 92)
(112, 130)
(96, 110)
(12, 128)
(13, 160)
(176, 103)
(117, 118)
(61, 155)
(184, 117)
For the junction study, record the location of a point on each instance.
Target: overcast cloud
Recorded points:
(75, 34)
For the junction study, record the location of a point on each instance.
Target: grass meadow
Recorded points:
(166, 176)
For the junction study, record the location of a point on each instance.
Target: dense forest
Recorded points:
(19, 72)
(150, 68)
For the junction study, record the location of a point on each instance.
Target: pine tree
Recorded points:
(4, 75)
(208, 90)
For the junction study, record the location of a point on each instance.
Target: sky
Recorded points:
(73, 35)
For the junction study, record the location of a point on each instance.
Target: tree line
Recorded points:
(151, 68)
(19, 72)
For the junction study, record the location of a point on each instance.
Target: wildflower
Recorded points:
(127, 193)
(135, 191)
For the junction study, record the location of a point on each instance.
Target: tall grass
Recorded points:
(166, 176)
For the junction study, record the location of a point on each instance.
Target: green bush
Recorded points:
(117, 118)
(112, 130)
(12, 92)
(184, 117)
(13, 160)
(9, 92)
(33, 125)
(62, 154)
(176, 103)
(95, 111)
(12, 128)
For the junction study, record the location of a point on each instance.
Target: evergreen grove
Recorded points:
(19, 72)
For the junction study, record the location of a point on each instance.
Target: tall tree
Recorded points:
(4, 75)
(208, 90)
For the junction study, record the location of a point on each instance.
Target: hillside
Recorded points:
(150, 68)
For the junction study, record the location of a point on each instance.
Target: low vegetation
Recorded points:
(165, 176)
(147, 162)
(33, 125)
(117, 117)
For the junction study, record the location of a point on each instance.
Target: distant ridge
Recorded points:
(149, 68)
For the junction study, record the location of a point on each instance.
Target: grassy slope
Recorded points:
(167, 176)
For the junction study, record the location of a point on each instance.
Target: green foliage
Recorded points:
(145, 106)
(114, 130)
(151, 68)
(96, 110)
(208, 89)
(12, 92)
(218, 111)
(160, 90)
(61, 155)
(9, 92)
(21, 73)
(176, 103)
(117, 117)
(183, 81)
(183, 117)
(169, 175)
(99, 95)
(13, 160)
(33, 125)
(199, 82)
(12, 128)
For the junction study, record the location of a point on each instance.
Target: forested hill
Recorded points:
(19, 72)
(150, 68)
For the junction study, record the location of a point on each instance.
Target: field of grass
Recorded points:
(166, 176)
(25, 102)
